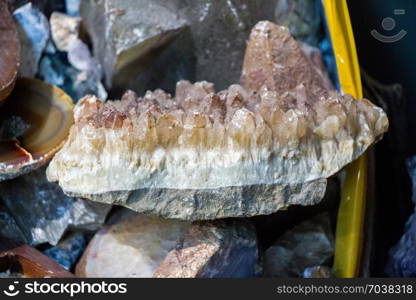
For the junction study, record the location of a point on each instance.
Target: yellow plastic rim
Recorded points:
(350, 222)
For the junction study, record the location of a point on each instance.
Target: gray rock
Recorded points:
(124, 31)
(9, 228)
(76, 71)
(134, 245)
(42, 212)
(217, 32)
(33, 28)
(209, 204)
(88, 80)
(308, 244)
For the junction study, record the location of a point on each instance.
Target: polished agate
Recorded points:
(34, 123)
(283, 126)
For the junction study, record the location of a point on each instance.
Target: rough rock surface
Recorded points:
(135, 245)
(64, 30)
(213, 249)
(69, 250)
(36, 211)
(217, 31)
(402, 257)
(209, 204)
(122, 32)
(307, 245)
(33, 29)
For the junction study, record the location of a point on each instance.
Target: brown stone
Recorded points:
(9, 51)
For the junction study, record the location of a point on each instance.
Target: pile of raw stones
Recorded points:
(204, 176)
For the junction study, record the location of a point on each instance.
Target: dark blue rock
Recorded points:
(68, 251)
(72, 7)
(36, 211)
(329, 60)
(56, 70)
(402, 257)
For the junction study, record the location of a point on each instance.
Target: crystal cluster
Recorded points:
(283, 126)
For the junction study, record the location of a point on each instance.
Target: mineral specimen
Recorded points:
(211, 250)
(33, 28)
(34, 123)
(203, 155)
(9, 51)
(402, 257)
(64, 30)
(308, 244)
(69, 250)
(123, 31)
(217, 32)
(8, 226)
(139, 246)
(37, 211)
(56, 69)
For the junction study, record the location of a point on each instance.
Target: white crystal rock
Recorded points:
(64, 30)
(284, 129)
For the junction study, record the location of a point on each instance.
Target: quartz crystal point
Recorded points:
(247, 150)
(134, 245)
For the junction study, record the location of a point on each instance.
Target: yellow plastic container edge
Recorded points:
(350, 222)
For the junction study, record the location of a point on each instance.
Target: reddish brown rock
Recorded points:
(9, 51)
(28, 262)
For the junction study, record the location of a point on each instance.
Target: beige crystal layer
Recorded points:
(201, 140)
(285, 126)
